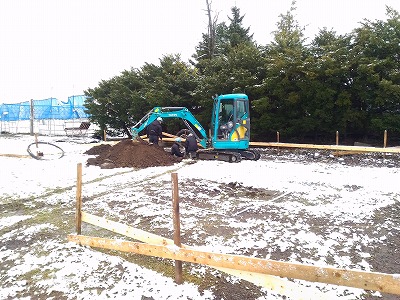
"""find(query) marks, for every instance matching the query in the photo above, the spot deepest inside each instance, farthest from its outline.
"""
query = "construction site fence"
(46, 109)
(46, 117)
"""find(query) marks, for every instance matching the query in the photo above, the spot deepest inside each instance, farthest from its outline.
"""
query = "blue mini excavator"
(229, 133)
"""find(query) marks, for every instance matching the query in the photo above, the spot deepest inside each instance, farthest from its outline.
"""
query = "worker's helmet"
(178, 140)
(159, 119)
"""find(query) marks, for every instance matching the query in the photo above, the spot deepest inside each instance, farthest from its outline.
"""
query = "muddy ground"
(238, 216)
(386, 259)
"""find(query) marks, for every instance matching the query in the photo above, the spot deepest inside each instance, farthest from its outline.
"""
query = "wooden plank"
(15, 155)
(163, 133)
(341, 153)
(281, 286)
(327, 147)
(126, 230)
(78, 214)
(164, 139)
(385, 283)
(273, 283)
(169, 135)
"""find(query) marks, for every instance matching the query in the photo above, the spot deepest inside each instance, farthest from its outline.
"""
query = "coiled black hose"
(39, 155)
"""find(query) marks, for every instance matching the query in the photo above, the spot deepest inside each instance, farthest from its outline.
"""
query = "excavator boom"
(172, 113)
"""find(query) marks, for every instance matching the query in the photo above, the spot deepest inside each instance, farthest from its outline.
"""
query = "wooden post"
(79, 199)
(37, 145)
(177, 227)
(384, 142)
(32, 117)
(385, 139)
(277, 136)
(337, 138)
(38, 153)
(104, 135)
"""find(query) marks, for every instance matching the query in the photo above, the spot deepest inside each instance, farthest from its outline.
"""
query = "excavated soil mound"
(97, 150)
(130, 154)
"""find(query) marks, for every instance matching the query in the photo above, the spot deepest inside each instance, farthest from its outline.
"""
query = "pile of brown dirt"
(130, 154)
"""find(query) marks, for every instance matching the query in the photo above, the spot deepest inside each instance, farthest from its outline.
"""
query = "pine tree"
(282, 107)
(236, 32)
(220, 38)
(375, 74)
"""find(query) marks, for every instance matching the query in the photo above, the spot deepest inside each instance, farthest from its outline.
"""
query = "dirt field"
(128, 154)
(301, 206)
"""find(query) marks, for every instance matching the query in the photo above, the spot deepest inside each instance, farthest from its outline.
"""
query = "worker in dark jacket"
(154, 131)
(191, 145)
(175, 149)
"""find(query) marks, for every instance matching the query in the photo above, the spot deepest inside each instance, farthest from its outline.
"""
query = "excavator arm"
(172, 113)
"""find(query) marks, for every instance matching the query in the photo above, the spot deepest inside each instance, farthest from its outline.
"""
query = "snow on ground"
(316, 213)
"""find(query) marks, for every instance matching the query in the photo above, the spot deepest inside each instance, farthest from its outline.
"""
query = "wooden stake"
(32, 117)
(104, 135)
(277, 136)
(385, 139)
(337, 138)
(79, 199)
(37, 145)
(177, 226)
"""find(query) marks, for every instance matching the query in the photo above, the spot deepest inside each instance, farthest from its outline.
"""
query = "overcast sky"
(60, 48)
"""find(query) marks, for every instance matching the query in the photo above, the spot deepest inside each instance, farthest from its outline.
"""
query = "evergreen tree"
(327, 90)
(375, 74)
(281, 106)
(171, 83)
(123, 100)
(349, 83)
(236, 32)
(116, 104)
(220, 38)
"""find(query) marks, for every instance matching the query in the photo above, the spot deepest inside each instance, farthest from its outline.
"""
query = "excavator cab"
(230, 124)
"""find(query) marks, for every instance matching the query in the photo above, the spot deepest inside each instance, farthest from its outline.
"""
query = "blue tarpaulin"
(45, 109)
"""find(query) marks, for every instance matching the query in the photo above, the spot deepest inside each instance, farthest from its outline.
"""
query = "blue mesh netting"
(45, 109)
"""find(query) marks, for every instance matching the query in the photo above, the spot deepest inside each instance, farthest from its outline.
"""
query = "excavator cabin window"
(241, 110)
(226, 116)
(226, 112)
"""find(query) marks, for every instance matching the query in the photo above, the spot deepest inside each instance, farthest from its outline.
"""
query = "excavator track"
(250, 154)
(228, 156)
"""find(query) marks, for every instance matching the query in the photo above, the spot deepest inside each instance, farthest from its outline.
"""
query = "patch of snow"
(10, 221)
(339, 193)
